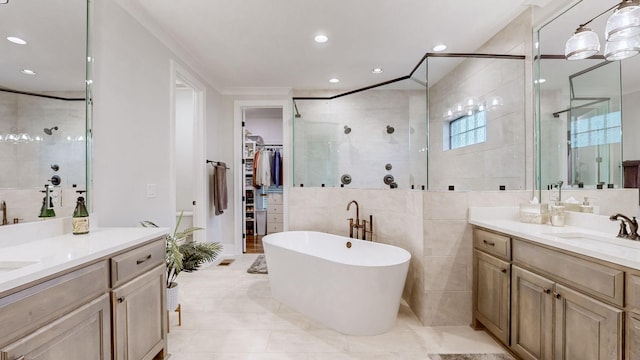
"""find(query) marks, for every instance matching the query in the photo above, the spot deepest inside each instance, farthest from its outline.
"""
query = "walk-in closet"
(263, 178)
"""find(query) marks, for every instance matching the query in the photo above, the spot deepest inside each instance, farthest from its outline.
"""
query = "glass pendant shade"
(623, 49)
(624, 23)
(583, 44)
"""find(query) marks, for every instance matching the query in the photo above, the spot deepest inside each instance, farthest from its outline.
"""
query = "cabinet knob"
(120, 299)
(546, 291)
(557, 296)
(504, 271)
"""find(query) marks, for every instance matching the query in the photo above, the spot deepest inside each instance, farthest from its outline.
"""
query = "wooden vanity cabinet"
(138, 303)
(112, 308)
(492, 283)
(563, 306)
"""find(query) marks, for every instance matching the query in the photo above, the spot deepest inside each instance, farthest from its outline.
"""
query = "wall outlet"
(152, 190)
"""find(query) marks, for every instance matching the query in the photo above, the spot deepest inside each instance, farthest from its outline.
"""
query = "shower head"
(49, 131)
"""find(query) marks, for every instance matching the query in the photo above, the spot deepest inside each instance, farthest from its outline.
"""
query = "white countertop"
(50, 255)
(585, 234)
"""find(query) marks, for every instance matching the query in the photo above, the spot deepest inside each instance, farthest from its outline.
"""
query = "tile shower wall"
(324, 152)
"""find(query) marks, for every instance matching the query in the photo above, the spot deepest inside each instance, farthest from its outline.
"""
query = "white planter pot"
(172, 296)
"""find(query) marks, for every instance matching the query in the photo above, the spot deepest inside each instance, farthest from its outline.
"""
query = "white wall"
(131, 128)
(631, 126)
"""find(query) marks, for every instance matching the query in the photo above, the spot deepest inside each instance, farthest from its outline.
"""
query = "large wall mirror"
(586, 110)
(43, 111)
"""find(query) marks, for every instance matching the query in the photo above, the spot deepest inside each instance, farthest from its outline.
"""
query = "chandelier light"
(621, 34)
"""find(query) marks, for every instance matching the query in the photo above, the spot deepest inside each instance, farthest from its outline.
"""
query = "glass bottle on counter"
(80, 220)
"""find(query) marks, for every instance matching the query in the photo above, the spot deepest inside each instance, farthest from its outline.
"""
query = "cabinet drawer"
(274, 228)
(275, 199)
(274, 209)
(491, 243)
(598, 280)
(125, 267)
(633, 293)
(33, 307)
(274, 218)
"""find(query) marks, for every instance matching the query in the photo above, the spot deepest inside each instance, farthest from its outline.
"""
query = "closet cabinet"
(274, 213)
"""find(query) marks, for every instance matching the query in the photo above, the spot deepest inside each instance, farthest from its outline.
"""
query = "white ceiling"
(259, 43)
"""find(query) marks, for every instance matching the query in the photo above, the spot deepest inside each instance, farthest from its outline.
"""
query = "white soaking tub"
(355, 290)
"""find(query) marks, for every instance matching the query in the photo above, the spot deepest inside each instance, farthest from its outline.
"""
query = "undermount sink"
(6, 266)
(595, 242)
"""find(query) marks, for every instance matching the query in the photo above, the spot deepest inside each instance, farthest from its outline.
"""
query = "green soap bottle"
(80, 220)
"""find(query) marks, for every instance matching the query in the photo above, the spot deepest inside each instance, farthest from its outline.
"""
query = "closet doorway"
(262, 185)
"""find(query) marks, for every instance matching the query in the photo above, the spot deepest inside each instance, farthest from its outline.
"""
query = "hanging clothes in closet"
(267, 168)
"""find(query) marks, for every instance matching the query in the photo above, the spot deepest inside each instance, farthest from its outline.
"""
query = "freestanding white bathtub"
(354, 290)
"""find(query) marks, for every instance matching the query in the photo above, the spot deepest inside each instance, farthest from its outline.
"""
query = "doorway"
(261, 128)
(189, 163)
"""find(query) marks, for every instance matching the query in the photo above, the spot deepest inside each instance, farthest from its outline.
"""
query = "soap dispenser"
(80, 220)
(46, 210)
(585, 207)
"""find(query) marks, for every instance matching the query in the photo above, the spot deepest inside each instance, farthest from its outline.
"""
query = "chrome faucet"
(633, 226)
(4, 213)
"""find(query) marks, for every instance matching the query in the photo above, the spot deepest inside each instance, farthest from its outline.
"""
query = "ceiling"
(258, 43)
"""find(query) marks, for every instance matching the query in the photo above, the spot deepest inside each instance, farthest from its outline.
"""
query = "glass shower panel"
(370, 139)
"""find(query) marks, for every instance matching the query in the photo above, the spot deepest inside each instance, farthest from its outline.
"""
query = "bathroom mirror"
(585, 109)
(43, 112)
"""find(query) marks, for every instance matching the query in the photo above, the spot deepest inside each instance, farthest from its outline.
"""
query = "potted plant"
(183, 256)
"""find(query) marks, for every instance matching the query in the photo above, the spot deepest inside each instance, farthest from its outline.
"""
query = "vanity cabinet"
(560, 305)
(492, 282)
(584, 328)
(112, 307)
(138, 303)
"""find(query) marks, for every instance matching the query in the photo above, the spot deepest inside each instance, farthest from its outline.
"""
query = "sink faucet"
(4, 213)
(633, 226)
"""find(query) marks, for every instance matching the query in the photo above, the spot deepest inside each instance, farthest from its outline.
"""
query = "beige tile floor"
(230, 314)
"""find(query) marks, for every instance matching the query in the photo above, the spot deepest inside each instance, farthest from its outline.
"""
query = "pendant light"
(624, 22)
(622, 49)
(583, 44)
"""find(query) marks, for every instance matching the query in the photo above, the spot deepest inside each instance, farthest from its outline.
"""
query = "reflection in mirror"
(584, 109)
(42, 111)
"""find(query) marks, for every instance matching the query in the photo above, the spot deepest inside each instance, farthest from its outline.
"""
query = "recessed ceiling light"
(321, 38)
(16, 40)
(440, 47)
(377, 71)
(28, 72)
(334, 80)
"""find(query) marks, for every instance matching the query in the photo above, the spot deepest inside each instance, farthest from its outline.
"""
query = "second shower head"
(49, 131)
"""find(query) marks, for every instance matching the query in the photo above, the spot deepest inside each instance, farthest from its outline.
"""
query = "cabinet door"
(83, 334)
(633, 336)
(492, 283)
(531, 315)
(138, 317)
(586, 329)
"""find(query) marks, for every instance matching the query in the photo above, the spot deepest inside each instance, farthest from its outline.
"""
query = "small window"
(468, 130)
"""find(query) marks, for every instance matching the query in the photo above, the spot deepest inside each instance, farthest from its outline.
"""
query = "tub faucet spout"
(353, 225)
